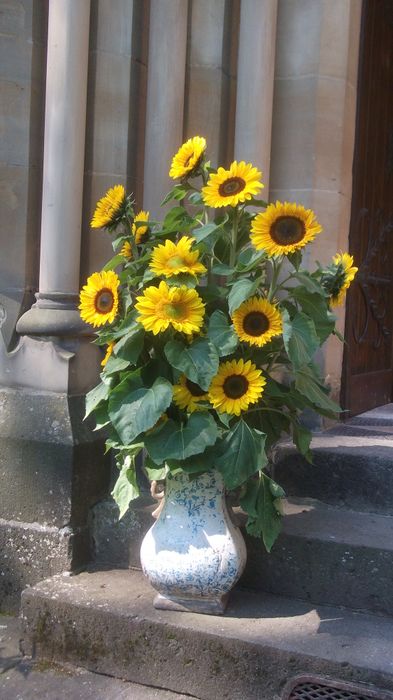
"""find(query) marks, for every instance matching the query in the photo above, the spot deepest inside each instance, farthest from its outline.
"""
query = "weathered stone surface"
(23, 678)
(29, 552)
(327, 555)
(106, 622)
(115, 541)
(353, 471)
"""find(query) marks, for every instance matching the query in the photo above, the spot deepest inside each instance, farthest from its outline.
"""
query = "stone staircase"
(314, 619)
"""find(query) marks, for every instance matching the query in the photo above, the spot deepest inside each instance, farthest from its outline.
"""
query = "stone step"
(352, 468)
(327, 555)
(105, 622)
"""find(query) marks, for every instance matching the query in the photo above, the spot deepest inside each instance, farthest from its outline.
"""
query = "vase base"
(205, 606)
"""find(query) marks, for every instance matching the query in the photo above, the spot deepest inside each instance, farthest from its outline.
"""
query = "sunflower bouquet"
(210, 325)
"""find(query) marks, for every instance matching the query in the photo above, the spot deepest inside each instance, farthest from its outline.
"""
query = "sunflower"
(188, 157)
(284, 228)
(173, 258)
(109, 208)
(108, 353)
(99, 299)
(235, 386)
(256, 321)
(140, 232)
(187, 394)
(344, 276)
(163, 306)
(126, 250)
(230, 187)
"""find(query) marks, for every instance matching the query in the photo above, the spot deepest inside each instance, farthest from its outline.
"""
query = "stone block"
(298, 38)
(105, 621)
(117, 542)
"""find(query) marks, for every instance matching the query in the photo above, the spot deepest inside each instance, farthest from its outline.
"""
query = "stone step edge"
(105, 621)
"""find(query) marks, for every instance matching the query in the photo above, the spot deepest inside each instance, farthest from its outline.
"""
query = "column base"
(54, 314)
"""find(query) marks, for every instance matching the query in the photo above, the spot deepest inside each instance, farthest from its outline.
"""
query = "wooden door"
(368, 355)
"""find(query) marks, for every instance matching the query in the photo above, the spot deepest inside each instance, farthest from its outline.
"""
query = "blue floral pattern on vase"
(194, 550)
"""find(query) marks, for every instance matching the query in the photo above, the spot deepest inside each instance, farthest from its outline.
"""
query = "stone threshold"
(104, 621)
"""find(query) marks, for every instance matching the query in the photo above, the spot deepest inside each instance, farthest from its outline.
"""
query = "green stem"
(235, 227)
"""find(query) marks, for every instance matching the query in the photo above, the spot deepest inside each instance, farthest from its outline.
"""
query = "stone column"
(255, 81)
(165, 96)
(55, 312)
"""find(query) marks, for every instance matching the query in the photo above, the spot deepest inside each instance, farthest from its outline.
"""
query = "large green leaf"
(300, 339)
(315, 306)
(308, 283)
(126, 487)
(130, 346)
(307, 384)
(132, 413)
(115, 364)
(221, 333)
(181, 440)
(261, 504)
(199, 361)
(302, 439)
(241, 454)
(96, 395)
(241, 290)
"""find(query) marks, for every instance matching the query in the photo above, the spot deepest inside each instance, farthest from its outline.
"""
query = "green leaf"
(260, 503)
(223, 270)
(300, 339)
(126, 487)
(203, 232)
(315, 306)
(199, 361)
(295, 258)
(241, 454)
(310, 283)
(302, 439)
(241, 290)
(96, 395)
(222, 334)
(115, 364)
(249, 258)
(306, 384)
(179, 441)
(130, 346)
(114, 262)
(132, 413)
(177, 192)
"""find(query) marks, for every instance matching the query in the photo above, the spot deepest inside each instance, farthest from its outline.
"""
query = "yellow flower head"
(109, 208)
(163, 306)
(235, 386)
(256, 321)
(140, 232)
(233, 186)
(99, 299)
(174, 258)
(108, 353)
(188, 157)
(345, 275)
(187, 394)
(126, 250)
(283, 228)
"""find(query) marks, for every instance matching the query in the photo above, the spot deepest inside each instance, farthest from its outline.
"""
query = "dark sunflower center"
(235, 386)
(194, 389)
(233, 185)
(287, 230)
(104, 301)
(188, 160)
(255, 323)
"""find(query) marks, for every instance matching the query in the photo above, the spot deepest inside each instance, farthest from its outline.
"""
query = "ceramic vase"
(193, 554)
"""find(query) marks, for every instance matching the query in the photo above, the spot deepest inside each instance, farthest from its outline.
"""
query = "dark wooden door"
(368, 355)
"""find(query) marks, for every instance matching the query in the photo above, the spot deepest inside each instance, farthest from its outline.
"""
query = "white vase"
(194, 554)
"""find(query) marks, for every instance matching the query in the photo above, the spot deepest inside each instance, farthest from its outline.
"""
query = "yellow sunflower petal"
(99, 299)
(257, 321)
(140, 232)
(187, 394)
(236, 385)
(109, 207)
(231, 187)
(163, 306)
(172, 259)
(126, 250)
(345, 265)
(188, 157)
(284, 228)
(108, 353)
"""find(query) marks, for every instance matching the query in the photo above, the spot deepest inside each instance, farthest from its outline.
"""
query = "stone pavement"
(23, 679)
